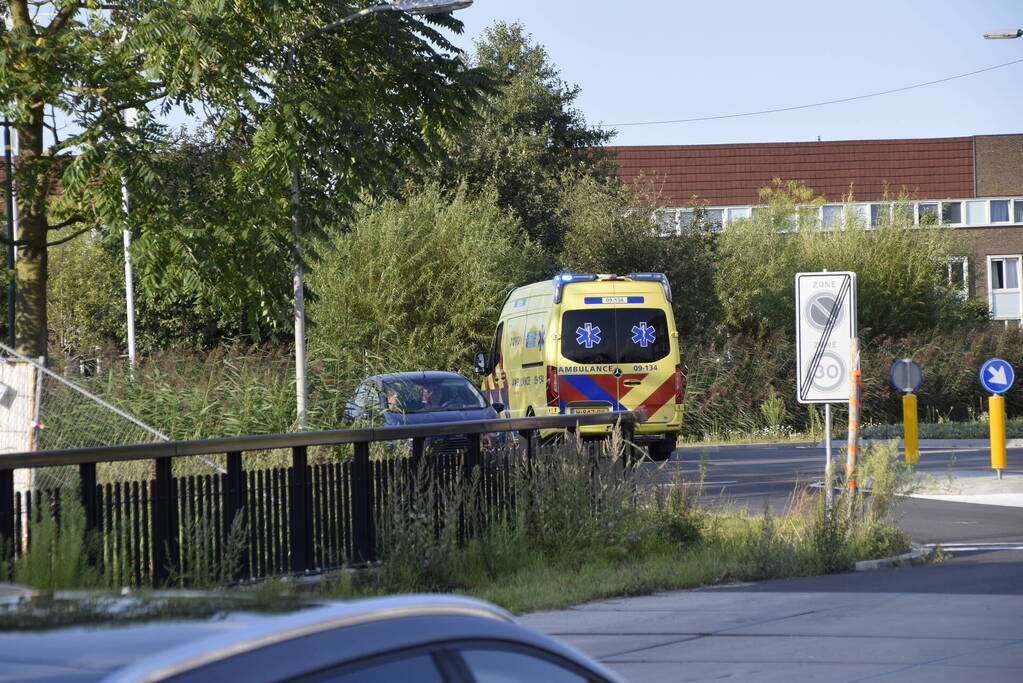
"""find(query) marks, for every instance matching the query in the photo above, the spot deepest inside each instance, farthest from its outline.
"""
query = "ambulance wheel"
(662, 450)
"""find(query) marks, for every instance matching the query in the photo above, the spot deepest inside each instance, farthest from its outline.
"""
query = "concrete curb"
(918, 555)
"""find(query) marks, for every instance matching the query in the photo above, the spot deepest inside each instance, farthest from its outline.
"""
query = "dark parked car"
(422, 398)
(161, 637)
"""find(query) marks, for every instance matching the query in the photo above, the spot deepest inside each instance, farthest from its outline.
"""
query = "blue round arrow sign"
(996, 375)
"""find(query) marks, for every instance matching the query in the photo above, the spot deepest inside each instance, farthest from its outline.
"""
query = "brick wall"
(989, 242)
(999, 164)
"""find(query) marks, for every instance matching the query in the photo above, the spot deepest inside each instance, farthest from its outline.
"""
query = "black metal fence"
(258, 522)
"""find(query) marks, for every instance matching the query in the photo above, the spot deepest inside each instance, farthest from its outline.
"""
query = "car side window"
(365, 398)
(419, 667)
(515, 666)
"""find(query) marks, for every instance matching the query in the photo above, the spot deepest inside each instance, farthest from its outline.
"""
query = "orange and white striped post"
(855, 392)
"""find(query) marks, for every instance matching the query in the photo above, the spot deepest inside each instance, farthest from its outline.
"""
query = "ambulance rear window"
(614, 335)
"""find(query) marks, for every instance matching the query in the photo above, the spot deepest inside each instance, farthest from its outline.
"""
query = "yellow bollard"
(909, 429)
(996, 413)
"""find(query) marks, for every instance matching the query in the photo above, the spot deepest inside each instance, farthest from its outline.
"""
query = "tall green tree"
(613, 229)
(532, 142)
(418, 282)
(211, 260)
(348, 109)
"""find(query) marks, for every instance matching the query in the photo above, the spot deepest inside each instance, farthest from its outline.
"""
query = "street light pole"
(298, 277)
(1004, 35)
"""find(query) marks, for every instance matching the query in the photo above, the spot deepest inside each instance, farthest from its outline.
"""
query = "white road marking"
(976, 547)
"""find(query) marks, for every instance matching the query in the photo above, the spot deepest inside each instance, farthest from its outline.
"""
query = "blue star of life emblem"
(588, 335)
(643, 335)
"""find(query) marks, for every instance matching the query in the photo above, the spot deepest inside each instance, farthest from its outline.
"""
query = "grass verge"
(587, 523)
(623, 539)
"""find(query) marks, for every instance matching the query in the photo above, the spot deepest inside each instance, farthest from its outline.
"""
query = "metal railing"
(159, 503)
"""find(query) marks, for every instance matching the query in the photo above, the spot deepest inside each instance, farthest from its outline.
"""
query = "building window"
(951, 212)
(1017, 211)
(999, 210)
(685, 219)
(928, 213)
(957, 270)
(832, 216)
(878, 212)
(1003, 286)
(712, 219)
(902, 214)
(976, 212)
(667, 221)
(737, 213)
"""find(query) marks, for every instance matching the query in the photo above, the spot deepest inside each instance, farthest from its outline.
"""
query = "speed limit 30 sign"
(825, 324)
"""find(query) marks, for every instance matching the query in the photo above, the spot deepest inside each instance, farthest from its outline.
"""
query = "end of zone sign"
(825, 323)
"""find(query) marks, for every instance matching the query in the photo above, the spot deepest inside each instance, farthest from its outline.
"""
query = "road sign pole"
(996, 418)
(855, 390)
(909, 429)
(828, 492)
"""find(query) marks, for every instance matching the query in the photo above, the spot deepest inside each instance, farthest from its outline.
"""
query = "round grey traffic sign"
(830, 372)
(906, 375)
(821, 308)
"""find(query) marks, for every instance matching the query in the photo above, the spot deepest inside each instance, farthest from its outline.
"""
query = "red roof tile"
(734, 173)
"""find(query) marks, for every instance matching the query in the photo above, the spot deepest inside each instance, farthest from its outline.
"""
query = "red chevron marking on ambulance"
(661, 395)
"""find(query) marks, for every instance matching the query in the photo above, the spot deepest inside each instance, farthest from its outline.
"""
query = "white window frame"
(1008, 290)
(941, 211)
(959, 263)
(990, 213)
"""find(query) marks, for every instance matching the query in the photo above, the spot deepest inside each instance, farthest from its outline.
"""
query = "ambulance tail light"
(680, 384)
(552, 385)
(656, 277)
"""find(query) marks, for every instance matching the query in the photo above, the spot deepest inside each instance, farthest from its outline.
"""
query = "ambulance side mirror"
(479, 364)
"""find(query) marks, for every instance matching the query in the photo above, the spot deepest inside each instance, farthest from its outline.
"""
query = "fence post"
(234, 503)
(90, 503)
(165, 529)
(300, 506)
(7, 540)
(469, 506)
(362, 505)
(90, 506)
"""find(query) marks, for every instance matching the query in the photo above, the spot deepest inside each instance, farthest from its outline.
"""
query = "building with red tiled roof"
(972, 183)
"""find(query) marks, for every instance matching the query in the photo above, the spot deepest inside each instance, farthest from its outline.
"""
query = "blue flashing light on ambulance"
(582, 343)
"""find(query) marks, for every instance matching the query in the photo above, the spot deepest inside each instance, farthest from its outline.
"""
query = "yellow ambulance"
(582, 343)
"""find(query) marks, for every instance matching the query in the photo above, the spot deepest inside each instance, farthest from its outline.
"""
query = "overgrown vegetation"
(586, 523)
(594, 530)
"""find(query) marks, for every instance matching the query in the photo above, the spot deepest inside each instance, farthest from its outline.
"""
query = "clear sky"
(655, 60)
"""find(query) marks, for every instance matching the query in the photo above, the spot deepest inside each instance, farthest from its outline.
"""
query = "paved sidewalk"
(898, 625)
(972, 486)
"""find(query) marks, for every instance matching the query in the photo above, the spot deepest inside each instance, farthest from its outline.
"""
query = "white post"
(130, 117)
(299, 286)
(828, 492)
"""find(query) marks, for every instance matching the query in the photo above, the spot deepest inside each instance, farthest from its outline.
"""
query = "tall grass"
(589, 524)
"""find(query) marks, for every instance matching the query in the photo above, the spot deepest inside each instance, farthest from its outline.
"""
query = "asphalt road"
(958, 620)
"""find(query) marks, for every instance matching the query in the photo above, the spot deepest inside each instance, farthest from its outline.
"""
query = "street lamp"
(1004, 35)
(411, 7)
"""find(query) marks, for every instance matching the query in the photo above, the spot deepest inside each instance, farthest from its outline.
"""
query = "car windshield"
(432, 394)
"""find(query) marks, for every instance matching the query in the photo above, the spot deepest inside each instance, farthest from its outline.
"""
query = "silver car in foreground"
(207, 637)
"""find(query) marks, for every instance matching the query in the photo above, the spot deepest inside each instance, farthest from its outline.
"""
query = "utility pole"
(9, 181)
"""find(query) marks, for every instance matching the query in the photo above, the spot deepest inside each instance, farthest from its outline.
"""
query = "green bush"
(902, 279)
(417, 284)
(746, 385)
